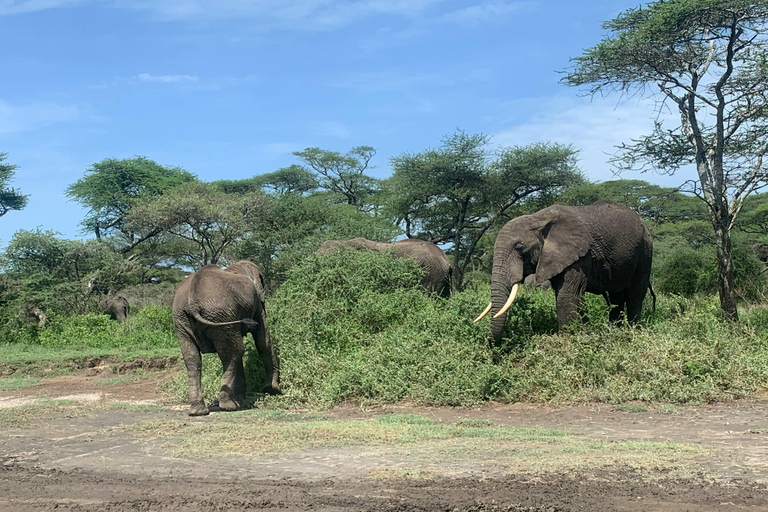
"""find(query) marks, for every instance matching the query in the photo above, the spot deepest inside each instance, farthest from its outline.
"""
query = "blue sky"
(230, 88)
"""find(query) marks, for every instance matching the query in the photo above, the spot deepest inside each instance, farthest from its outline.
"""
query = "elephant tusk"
(510, 300)
(490, 305)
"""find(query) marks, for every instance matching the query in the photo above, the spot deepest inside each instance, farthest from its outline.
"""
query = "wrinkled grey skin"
(212, 310)
(603, 248)
(116, 306)
(438, 270)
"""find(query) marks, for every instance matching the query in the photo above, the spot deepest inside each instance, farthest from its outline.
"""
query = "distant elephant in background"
(116, 306)
(438, 270)
(603, 248)
(213, 309)
(110, 303)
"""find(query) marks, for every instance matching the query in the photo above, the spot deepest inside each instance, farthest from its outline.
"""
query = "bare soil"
(83, 460)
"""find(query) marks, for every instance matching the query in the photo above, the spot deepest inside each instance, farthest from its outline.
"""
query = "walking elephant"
(603, 248)
(213, 309)
(438, 270)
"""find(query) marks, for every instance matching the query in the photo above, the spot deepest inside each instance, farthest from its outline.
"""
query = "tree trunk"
(726, 287)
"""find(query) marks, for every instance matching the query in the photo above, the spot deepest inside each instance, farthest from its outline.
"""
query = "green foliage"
(652, 202)
(199, 223)
(10, 198)
(457, 192)
(704, 57)
(149, 328)
(45, 271)
(112, 187)
(297, 225)
(341, 175)
(293, 179)
(350, 326)
(686, 264)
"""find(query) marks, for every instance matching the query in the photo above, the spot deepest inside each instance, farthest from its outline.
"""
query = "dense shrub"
(150, 327)
(351, 327)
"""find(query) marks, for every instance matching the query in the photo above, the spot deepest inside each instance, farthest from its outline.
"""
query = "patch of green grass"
(31, 415)
(419, 442)
(125, 379)
(633, 408)
(250, 435)
(40, 361)
(17, 382)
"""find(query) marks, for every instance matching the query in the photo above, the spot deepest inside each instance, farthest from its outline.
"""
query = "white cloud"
(595, 128)
(15, 119)
(400, 81)
(21, 6)
(483, 13)
(296, 14)
(167, 79)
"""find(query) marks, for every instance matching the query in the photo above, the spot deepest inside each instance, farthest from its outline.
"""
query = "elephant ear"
(566, 239)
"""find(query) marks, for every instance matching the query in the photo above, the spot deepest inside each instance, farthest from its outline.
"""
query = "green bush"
(150, 327)
(354, 327)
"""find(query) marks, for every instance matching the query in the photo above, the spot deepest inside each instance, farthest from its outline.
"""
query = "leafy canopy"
(112, 187)
(709, 61)
(10, 198)
(455, 193)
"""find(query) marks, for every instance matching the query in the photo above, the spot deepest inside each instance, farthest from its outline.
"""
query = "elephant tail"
(249, 323)
(653, 294)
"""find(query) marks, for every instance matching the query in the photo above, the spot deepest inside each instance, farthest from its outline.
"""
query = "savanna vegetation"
(354, 326)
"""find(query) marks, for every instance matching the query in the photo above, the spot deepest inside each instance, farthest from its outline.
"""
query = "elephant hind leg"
(229, 347)
(267, 354)
(635, 298)
(193, 361)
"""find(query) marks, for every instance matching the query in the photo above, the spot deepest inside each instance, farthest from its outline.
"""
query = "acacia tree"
(112, 187)
(198, 223)
(707, 60)
(343, 175)
(456, 193)
(10, 198)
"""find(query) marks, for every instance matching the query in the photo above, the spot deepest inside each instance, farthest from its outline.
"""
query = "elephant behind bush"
(438, 271)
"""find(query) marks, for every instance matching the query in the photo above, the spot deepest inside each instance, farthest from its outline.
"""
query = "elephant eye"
(519, 247)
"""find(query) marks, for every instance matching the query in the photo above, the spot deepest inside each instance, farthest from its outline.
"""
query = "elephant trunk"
(507, 274)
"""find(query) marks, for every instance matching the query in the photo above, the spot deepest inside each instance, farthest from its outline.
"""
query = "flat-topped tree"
(707, 61)
(10, 198)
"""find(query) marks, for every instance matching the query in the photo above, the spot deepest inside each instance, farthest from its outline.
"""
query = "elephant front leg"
(194, 364)
(617, 302)
(569, 292)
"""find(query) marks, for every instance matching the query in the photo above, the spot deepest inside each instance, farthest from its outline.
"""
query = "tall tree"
(454, 194)
(343, 175)
(198, 222)
(293, 179)
(112, 187)
(10, 198)
(706, 59)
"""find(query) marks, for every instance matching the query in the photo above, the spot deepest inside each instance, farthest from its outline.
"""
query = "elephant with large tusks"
(213, 309)
(603, 248)
(438, 271)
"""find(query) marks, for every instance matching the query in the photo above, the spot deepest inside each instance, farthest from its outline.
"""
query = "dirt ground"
(87, 461)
